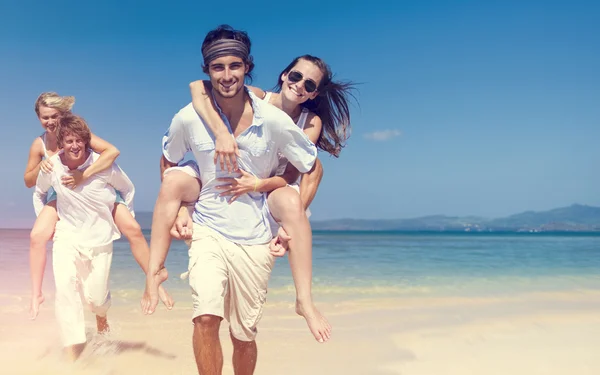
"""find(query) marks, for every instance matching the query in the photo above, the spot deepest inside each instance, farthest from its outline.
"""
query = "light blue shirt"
(246, 220)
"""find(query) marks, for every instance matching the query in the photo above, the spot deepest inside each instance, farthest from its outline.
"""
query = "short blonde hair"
(63, 104)
(71, 124)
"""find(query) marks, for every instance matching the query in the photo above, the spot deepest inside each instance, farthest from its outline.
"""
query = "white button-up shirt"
(85, 213)
(246, 220)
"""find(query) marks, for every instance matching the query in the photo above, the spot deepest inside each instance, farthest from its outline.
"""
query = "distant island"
(574, 218)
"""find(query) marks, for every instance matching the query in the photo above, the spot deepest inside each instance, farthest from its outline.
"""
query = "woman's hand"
(226, 151)
(73, 179)
(238, 186)
(46, 166)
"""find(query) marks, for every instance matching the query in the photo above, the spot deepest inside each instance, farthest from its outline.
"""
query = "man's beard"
(229, 94)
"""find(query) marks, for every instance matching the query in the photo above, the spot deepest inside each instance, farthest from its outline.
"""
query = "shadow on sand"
(116, 347)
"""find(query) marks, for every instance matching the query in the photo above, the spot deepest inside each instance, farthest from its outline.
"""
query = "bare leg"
(176, 187)
(286, 207)
(73, 352)
(139, 247)
(40, 234)
(207, 346)
(244, 356)
(102, 324)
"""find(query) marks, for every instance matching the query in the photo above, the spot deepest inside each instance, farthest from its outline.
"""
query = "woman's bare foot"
(151, 294)
(102, 324)
(165, 297)
(318, 325)
(34, 308)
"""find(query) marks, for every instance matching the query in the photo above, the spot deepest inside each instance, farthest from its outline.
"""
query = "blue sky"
(466, 107)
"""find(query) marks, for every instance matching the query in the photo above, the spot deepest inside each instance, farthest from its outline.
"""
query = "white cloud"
(383, 135)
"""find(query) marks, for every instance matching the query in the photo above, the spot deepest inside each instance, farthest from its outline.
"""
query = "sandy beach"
(529, 334)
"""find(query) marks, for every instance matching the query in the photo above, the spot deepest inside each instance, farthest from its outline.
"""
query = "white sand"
(551, 333)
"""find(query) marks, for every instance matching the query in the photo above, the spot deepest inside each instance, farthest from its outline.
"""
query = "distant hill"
(575, 218)
(568, 217)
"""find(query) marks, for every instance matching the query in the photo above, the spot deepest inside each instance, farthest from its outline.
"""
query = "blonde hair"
(63, 104)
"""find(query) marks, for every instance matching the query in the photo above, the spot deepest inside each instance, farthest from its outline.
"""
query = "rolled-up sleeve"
(121, 182)
(175, 142)
(296, 146)
(42, 185)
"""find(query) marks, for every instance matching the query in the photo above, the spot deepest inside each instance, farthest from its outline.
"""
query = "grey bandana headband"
(225, 47)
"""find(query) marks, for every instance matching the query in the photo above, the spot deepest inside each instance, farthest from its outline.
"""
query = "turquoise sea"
(376, 264)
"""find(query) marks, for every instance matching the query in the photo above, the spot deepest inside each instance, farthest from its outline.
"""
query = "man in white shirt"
(84, 235)
(230, 262)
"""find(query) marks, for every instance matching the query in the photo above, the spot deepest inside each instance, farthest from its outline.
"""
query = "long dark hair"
(331, 105)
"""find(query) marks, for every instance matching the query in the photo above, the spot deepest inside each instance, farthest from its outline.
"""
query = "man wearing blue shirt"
(230, 262)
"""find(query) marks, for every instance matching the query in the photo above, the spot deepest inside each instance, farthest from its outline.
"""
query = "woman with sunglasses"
(317, 104)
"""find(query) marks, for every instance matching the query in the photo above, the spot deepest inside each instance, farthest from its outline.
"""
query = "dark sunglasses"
(309, 85)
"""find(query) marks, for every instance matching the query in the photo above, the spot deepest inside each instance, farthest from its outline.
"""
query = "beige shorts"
(229, 280)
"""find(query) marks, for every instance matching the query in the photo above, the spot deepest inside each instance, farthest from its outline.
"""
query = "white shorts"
(229, 280)
(190, 167)
(80, 277)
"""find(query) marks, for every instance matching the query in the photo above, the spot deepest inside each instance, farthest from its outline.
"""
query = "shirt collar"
(257, 118)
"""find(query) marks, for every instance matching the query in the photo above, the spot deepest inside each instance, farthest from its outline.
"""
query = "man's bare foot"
(74, 351)
(150, 298)
(165, 297)
(34, 307)
(318, 325)
(102, 325)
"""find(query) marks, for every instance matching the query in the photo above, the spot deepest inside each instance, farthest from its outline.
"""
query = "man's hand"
(183, 227)
(280, 243)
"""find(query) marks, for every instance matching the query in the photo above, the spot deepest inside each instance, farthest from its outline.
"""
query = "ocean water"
(374, 264)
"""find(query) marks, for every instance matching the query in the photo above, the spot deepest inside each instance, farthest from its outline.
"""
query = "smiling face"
(73, 137)
(227, 75)
(49, 118)
(74, 148)
(296, 92)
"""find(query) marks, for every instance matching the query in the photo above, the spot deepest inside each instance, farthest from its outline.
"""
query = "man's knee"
(242, 344)
(207, 323)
